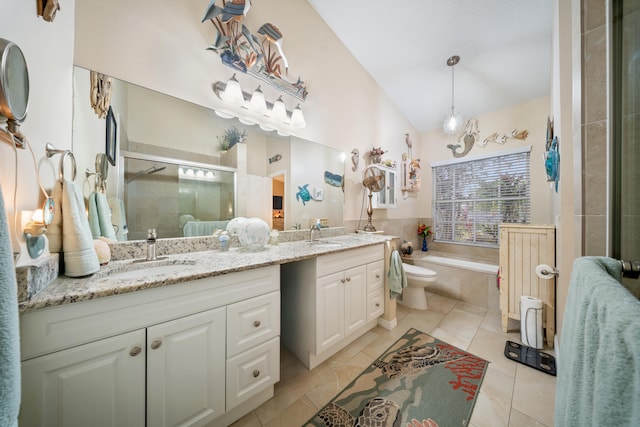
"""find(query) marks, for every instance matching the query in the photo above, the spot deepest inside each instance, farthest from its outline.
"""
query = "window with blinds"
(472, 197)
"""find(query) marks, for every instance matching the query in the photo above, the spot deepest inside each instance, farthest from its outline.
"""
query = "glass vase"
(424, 244)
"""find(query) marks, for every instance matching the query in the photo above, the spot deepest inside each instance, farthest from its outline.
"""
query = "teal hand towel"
(598, 380)
(9, 331)
(94, 220)
(396, 277)
(104, 217)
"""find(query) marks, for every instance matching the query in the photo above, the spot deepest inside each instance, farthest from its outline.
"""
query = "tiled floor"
(511, 394)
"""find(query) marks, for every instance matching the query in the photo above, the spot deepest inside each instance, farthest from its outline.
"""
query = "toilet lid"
(418, 271)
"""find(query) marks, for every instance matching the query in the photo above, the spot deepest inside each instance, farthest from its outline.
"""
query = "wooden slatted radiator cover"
(522, 248)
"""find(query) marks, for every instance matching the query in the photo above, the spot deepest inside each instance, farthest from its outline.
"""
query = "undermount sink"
(324, 244)
(139, 270)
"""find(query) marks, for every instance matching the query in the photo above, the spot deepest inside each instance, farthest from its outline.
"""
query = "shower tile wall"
(595, 126)
(631, 132)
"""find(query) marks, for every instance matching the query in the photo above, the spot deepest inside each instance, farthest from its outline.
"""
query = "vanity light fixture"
(269, 116)
(297, 118)
(453, 122)
(233, 92)
(258, 104)
(279, 111)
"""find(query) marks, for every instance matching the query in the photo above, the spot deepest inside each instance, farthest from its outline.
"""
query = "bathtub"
(469, 281)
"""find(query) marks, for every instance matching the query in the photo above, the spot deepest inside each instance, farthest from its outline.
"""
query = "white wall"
(532, 116)
(161, 45)
(48, 49)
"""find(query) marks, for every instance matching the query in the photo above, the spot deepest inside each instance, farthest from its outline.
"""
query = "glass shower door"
(626, 129)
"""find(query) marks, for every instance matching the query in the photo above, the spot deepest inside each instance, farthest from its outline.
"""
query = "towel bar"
(630, 269)
(52, 151)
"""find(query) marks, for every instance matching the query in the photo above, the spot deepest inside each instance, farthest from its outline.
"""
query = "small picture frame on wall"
(111, 137)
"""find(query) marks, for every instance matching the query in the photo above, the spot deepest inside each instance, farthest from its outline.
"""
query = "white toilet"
(418, 278)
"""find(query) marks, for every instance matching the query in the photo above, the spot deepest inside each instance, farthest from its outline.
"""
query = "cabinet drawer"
(252, 371)
(375, 304)
(332, 263)
(375, 275)
(252, 322)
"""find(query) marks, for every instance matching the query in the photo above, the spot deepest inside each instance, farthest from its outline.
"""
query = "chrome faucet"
(313, 228)
(151, 244)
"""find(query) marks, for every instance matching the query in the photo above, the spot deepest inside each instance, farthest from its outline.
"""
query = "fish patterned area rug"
(419, 381)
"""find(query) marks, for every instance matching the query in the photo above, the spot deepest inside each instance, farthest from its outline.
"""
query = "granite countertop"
(178, 268)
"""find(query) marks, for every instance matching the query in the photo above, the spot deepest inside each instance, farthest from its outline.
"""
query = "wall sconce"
(268, 115)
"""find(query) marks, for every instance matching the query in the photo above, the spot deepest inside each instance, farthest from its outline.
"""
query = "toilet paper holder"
(546, 272)
(550, 270)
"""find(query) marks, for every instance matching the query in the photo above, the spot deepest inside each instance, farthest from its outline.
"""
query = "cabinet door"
(330, 310)
(387, 197)
(185, 370)
(355, 299)
(96, 384)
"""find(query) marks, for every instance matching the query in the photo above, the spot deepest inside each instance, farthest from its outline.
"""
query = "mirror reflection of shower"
(152, 169)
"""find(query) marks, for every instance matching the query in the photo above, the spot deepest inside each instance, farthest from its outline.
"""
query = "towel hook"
(52, 151)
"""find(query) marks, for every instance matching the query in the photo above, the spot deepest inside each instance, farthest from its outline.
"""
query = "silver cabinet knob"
(256, 373)
(135, 351)
(156, 344)
(377, 304)
(341, 280)
(256, 323)
(377, 276)
(348, 279)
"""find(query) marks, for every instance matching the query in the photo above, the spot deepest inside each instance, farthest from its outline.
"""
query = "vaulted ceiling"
(504, 48)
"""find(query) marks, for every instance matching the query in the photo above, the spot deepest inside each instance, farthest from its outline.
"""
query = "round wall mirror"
(14, 82)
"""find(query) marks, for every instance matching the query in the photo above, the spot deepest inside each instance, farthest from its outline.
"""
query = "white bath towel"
(9, 330)
(118, 218)
(54, 230)
(80, 258)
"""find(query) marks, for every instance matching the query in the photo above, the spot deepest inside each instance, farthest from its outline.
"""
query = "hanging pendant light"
(453, 122)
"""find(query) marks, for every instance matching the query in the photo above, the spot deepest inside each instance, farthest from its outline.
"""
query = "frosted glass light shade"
(453, 123)
(258, 104)
(233, 92)
(279, 112)
(297, 118)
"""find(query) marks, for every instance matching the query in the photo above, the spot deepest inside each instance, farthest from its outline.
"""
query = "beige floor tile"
(490, 346)
(295, 415)
(518, 419)
(422, 320)
(439, 303)
(249, 420)
(470, 308)
(511, 394)
(534, 394)
(455, 340)
(494, 401)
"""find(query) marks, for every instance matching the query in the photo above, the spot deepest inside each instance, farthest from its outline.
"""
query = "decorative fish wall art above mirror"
(162, 140)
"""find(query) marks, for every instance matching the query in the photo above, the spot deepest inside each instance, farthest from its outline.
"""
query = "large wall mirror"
(171, 174)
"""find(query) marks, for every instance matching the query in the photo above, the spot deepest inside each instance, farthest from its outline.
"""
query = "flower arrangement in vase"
(376, 154)
(424, 231)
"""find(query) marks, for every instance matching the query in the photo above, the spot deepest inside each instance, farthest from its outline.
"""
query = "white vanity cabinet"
(162, 352)
(330, 301)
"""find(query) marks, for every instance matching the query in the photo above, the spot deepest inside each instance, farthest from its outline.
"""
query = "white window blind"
(471, 198)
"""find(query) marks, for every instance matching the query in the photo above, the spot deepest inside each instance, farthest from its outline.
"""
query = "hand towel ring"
(73, 166)
(51, 151)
